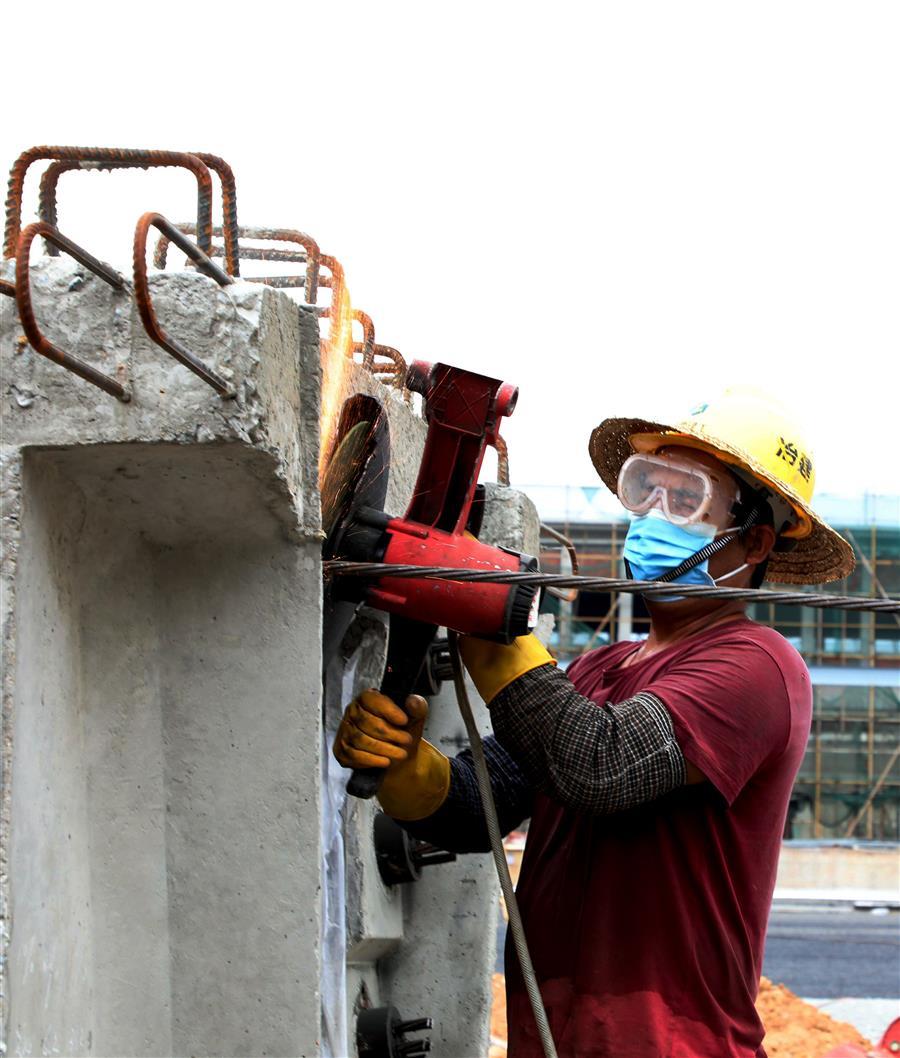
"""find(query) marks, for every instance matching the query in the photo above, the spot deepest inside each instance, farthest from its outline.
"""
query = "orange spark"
(337, 357)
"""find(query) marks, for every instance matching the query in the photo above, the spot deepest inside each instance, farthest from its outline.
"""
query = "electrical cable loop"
(651, 588)
(145, 304)
(22, 291)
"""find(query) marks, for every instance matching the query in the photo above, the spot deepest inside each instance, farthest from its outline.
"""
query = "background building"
(849, 783)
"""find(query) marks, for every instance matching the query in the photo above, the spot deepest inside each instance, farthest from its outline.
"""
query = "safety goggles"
(686, 492)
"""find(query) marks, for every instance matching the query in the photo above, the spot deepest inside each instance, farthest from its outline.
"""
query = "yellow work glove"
(376, 733)
(494, 666)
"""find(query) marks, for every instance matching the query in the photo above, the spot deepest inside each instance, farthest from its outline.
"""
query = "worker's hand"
(376, 733)
(494, 666)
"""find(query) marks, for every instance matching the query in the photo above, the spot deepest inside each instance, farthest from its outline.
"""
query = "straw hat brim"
(822, 556)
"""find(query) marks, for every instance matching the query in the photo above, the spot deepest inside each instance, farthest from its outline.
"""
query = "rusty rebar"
(266, 253)
(380, 368)
(396, 358)
(336, 283)
(279, 282)
(7, 288)
(145, 305)
(99, 158)
(38, 341)
(255, 253)
(48, 197)
(567, 595)
(228, 187)
(502, 460)
(368, 342)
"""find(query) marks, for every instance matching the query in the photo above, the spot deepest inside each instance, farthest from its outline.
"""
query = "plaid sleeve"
(600, 758)
(458, 825)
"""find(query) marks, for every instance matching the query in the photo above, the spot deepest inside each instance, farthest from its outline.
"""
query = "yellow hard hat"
(756, 435)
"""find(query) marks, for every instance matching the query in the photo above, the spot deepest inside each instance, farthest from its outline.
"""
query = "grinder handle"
(365, 782)
(408, 644)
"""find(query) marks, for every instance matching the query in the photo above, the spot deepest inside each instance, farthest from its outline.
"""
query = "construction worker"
(656, 774)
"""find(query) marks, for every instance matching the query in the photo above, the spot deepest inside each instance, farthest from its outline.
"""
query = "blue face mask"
(654, 545)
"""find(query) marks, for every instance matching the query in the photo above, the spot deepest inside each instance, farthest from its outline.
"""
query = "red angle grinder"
(440, 528)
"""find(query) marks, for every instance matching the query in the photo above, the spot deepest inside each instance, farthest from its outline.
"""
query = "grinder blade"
(341, 479)
(356, 475)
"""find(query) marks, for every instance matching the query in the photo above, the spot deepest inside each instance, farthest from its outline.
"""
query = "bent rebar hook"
(145, 304)
(38, 341)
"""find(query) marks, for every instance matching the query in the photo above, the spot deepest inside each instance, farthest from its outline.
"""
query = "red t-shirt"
(647, 927)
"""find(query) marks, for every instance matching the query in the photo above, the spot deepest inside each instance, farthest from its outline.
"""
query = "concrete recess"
(162, 697)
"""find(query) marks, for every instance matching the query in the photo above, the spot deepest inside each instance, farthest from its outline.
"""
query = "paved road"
(834, 952)
(826, 952)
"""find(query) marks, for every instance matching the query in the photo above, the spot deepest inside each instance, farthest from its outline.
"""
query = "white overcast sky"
(621, 207)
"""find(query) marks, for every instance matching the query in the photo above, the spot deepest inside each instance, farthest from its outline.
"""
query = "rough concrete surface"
(510, 520)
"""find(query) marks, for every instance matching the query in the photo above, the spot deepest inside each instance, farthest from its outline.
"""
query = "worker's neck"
(674, 621)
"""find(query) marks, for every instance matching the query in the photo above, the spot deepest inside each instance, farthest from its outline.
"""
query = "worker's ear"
(759, 541)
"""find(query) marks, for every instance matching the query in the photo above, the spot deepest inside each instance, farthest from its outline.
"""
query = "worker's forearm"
(600, 758)
(458, 825)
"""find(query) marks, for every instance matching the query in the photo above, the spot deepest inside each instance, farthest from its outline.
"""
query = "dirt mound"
(794, 1029)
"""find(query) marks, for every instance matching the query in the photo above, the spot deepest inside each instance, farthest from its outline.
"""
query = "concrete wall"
(161, 703)
(852, 867)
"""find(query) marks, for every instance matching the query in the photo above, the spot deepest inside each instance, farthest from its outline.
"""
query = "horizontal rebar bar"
(653, 589)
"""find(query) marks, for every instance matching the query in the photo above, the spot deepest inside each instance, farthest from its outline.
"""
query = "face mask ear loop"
(714, 546)
(733, 573)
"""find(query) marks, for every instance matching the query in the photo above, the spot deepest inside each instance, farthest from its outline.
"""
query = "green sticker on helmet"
(699, 410)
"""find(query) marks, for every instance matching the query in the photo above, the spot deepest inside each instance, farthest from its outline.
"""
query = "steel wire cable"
(651, 588)
(493, 827)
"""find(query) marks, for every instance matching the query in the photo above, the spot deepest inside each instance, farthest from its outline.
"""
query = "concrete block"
(161, 705)
(443, 969)
(511, 520)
